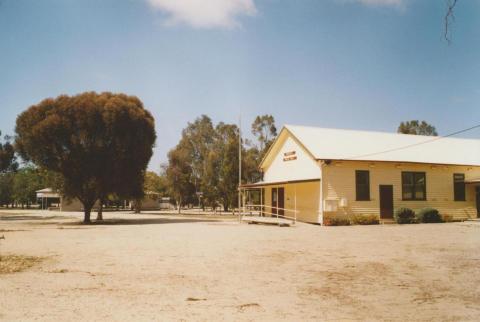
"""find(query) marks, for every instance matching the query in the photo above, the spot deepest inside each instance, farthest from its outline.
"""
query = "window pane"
(419, 194)
(362, 192)
(407, 185)
(407, 192)
(459, 186)
(413, 186)
(407, 178)
(420, 178)
(362, 177)
(419, 186)
(362, 184)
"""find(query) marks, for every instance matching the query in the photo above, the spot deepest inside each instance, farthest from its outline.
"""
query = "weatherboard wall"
(339, 182)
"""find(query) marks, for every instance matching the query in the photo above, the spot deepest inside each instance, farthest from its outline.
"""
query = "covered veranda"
(281, 201)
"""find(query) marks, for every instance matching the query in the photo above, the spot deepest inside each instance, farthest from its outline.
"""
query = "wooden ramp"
(268, 220)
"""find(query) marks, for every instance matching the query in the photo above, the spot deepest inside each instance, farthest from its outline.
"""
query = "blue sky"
(361, 64)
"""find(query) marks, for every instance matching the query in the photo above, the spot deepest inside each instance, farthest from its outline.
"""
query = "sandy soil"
(155, 267)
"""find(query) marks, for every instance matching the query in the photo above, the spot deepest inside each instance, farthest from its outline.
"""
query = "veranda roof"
(273, 183)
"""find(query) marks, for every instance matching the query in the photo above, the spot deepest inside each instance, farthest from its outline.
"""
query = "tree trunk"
(138, 206)
(87, 206)
(100, 211)
(86, 215)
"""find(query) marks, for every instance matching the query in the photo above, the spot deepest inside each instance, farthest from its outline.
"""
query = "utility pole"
(239, 166)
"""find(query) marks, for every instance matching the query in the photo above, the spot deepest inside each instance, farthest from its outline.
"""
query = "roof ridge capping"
(415, 136)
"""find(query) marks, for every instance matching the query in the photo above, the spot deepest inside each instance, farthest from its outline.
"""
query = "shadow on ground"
(4, 217)
(140, 221)
(65, 221)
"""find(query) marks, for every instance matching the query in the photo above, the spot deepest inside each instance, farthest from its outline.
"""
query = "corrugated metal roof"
(271, 183)
(338, 144)
(45, 190)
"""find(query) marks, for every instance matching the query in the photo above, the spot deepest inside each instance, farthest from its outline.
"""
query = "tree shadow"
(59, 220)
(139, 221)
(26, 217)
(186, 214)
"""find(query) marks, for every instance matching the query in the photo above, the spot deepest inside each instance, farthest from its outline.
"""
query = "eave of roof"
(273, 183)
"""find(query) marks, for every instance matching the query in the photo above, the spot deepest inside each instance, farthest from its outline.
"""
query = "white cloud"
(205, 13)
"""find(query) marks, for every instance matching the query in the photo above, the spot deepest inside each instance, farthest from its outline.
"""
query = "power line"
(415, 144)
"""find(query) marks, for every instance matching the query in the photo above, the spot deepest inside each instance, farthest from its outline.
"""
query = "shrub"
(369, 219)
(336, 221)
(404, 216)
(428, 215)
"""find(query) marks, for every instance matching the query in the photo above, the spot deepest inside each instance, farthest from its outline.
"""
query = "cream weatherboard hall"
(310, 172)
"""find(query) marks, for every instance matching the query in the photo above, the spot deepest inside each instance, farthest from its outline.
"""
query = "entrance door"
(278, 201)
(386, 201)
(274, 200)
(281, 201)
(477, 189)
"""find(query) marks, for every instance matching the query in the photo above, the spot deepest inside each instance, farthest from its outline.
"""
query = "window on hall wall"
(414, 186)
(459, 186)
(362, 184)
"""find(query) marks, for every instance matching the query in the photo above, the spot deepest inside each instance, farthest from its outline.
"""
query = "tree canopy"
(25, 184)
(6, 188)
(19, 187)
(155, 183)
(203, 168)
(99, 143)
(224, 164)
(179, 175)
(417, 128)
(7, 155)
(8, 166)
(263, 128)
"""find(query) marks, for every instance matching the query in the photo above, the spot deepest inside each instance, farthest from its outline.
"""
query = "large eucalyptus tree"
(99, 143)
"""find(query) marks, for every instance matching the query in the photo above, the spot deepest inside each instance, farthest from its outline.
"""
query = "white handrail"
(276, 214)
(265, 206)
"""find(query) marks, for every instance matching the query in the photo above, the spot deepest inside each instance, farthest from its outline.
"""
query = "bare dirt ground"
(172, 268)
